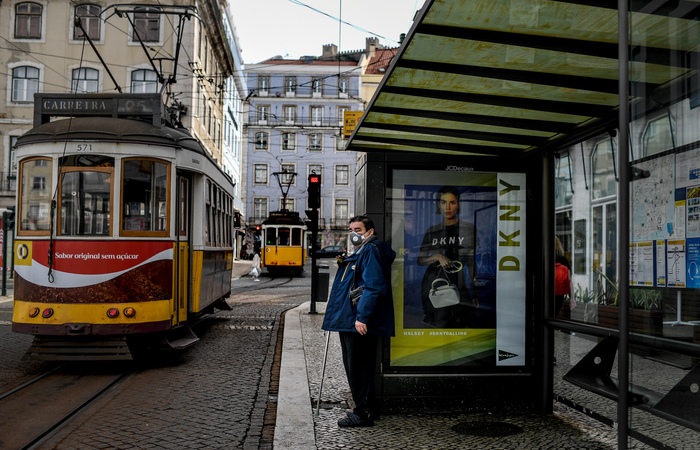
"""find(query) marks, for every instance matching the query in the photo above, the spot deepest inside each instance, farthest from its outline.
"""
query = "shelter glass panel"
(664, 207)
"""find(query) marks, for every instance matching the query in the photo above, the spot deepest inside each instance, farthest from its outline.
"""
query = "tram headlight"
(129, 312)
(48, 312)
(112, 313)
(34, 312)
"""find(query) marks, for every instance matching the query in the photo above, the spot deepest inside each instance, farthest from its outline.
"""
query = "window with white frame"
(316, 115)
(28, 17)
(290, 85)
(261, 140)
(341, 208)
(342, 173)
(259, 208)
(658, 136)
(290, 114)
(263, 112)
(315, 142)
(287, 178)
(144, 81)
(39, 183)
(343, 85)
(263, 84)
(317, 86)
(85, 81)
(288, 140)
(563, 194)
(260, 175)
(146, 24)
(603, 168)
(289, 205)
(25, 83)
(340, 142)
(341, 114)
(89, 16)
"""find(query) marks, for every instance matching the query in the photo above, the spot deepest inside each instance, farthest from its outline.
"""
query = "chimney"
(329, 51)
(371, 44)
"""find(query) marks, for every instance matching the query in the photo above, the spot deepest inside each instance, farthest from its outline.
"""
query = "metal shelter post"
(548, 261)
(623, 215)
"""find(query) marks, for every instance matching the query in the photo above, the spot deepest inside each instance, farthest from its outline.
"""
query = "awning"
(504, 77)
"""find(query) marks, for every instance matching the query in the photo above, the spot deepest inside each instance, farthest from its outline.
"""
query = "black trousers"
(359, 357)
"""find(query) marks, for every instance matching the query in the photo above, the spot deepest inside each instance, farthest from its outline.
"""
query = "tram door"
(183, 249)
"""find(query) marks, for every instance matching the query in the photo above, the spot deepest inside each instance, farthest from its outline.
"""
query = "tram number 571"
(83, 148)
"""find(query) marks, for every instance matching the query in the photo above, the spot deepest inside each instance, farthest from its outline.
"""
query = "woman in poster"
(447, 291)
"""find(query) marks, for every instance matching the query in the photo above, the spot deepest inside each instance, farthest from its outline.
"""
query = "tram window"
(85, 202)
(271, 236)
(207, 202)
(283, 236)
(296, 236)
(35, 196)
(145, 197)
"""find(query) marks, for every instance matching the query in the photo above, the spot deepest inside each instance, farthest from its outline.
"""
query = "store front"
(487, 96)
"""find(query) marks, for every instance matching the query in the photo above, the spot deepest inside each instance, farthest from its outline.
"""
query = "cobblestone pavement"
(218, 393)
(213, 395)
(565, 429)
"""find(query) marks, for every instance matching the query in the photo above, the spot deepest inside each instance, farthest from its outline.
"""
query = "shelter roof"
(501, 78)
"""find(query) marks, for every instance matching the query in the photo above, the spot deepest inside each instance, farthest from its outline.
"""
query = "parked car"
(332, 251)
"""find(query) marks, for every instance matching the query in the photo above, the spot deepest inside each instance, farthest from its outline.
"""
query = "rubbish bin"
(322, 285)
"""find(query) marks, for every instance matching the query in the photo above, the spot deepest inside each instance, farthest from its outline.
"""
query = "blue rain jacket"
(376, 306)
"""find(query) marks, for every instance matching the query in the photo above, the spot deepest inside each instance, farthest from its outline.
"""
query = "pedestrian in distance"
(255, 271)
(360, 308)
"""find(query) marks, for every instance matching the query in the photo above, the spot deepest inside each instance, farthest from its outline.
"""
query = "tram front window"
(144, 197)
(283, 236)
(271, 236)
(85, 202)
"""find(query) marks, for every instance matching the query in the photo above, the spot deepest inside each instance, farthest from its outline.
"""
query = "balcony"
(273, 121)
(339, 223)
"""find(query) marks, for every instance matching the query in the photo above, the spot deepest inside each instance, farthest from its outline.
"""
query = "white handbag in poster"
(443, 293)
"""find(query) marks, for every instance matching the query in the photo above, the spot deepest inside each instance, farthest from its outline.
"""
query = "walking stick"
(323, 371)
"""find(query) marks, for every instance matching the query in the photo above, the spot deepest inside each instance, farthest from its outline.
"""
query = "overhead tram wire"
(339, 20)
(61, 174)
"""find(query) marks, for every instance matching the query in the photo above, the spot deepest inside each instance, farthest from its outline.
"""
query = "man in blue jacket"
(361, 318)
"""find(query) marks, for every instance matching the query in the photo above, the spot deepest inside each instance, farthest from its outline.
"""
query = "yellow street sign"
(350, 121)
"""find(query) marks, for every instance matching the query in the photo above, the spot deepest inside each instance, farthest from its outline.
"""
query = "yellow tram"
(283, 243)
(124, 228)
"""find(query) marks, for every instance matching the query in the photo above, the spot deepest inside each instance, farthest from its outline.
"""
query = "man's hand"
(361, 327)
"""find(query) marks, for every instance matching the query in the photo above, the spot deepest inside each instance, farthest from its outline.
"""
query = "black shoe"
(353, 420)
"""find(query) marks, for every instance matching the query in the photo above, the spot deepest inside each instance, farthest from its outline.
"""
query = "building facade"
(294, 125)
(43, 55)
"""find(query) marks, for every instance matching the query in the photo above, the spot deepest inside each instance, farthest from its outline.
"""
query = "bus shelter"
(541, 118)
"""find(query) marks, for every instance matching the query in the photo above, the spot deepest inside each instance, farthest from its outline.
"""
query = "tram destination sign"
(105, 105)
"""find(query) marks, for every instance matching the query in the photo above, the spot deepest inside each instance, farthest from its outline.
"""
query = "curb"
(294, 428)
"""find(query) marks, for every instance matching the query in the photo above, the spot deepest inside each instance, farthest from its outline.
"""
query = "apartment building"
(132, 48)
(294, 126)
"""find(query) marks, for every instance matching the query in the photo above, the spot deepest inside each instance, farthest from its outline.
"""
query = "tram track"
(38, 408)
(265, 285)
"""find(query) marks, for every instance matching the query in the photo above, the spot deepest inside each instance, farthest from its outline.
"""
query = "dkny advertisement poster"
(453, 232)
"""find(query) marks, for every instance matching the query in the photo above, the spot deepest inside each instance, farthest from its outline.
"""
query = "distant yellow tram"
(283, 243)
